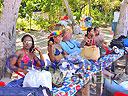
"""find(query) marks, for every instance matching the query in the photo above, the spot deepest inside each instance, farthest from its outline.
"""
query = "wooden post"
(69, 13)
(8, 31)
(126, 64)
(122, 25)
(68, 10)
(85, 91)
(89, 3)
(99, 80)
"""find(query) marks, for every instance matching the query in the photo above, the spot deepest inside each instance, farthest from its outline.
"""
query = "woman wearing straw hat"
(55, 51)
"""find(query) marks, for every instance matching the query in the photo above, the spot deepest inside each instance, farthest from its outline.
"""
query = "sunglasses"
(29, 42)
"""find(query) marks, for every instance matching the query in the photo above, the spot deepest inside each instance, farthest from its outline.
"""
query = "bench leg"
(99, 83)
(85, 91)
(126, 66)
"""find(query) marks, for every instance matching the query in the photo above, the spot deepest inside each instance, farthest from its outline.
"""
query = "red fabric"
(2, 84)
(64, 18)
(93, 42)
(19, 74)
(107, 50)
(120, 94)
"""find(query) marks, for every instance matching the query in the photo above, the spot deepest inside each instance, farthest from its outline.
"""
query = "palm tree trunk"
(122, 26)
(8, 31)
(89, 3)
(68, 11)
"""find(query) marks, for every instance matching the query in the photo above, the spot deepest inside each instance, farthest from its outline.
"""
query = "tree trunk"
(30, 23)
(89, 3)
(122, 26)
(8, 31)
(68, 10)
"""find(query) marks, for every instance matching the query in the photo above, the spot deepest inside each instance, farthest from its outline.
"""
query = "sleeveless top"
(26, 61)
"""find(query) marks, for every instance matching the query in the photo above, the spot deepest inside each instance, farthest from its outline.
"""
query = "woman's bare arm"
(13, 62)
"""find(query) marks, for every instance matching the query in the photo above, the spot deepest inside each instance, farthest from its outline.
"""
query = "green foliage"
(101, 11)
(1, 6)
(43, 23)
(77, 6)
(24, 24)
(51, 7)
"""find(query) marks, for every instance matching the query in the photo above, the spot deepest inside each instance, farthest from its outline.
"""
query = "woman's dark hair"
(27, 35)
(88, 30)
(95, 28)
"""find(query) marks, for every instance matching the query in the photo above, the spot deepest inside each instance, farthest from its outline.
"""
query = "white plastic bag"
(35, 78)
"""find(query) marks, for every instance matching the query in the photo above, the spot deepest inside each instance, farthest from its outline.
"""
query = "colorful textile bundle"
(55, 33)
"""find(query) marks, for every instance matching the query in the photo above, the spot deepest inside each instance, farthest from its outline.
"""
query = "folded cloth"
(124, 84)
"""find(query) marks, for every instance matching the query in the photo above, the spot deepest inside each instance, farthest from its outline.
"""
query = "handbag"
(90, 52)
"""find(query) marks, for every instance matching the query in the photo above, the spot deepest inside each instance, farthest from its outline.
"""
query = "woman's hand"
(38, 49)
(25, 72)
(50, 43)
(40, 53)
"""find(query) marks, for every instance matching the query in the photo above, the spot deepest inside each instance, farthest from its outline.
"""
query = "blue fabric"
(125, 41)
(8, 62)
(24, 91)
(22, 65)
(71, 46)
(58, 52)
(16, 83)
(113, 87)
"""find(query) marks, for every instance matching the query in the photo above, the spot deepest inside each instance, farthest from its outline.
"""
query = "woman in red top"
(25, 58)
(89, 38)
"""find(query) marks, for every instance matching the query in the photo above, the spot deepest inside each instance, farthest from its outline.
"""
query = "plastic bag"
(35, 78)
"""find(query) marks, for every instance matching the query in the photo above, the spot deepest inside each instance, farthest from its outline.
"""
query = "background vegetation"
(42, 14)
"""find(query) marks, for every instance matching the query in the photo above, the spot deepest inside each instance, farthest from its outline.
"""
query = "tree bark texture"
(89, 3)
(8, 31)
(68, 10)
(122, 26)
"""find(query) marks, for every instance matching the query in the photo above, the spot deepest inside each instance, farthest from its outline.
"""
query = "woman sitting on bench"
(25, 59)
(55, 51)
(68, 44)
